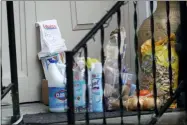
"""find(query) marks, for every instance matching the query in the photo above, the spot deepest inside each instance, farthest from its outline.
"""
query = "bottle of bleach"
(57, 90)
(97, 91)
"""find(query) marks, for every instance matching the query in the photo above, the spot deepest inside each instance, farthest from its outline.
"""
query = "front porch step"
(172, 118)
(112, 117)
(37, 113)
(48, 118)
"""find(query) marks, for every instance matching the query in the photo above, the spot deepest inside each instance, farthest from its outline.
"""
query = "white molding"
(74, 21)
(21, 40)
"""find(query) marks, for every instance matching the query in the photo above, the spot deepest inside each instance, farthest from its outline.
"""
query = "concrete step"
(37, 113)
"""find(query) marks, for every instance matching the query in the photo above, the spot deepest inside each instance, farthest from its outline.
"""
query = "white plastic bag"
(111, 49)
(50, 38)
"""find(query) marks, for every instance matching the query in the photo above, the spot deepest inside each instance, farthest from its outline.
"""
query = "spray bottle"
(97, 91)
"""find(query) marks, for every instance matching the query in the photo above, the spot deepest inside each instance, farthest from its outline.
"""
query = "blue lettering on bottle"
(57, 98)
(97, 93)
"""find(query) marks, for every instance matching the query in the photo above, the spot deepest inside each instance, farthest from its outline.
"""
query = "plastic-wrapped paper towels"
(50, 38)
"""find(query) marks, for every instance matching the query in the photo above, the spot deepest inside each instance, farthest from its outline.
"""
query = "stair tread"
(43, 118)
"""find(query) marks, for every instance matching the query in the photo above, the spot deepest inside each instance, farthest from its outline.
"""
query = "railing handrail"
(98, 25)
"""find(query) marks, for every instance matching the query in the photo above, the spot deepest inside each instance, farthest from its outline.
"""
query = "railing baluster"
(119, 62)
(70, 88)
(153, 58)
(13, 60)
(136, 61)
(103, 77)
(86, 80)
(169, 47)
(183, 53)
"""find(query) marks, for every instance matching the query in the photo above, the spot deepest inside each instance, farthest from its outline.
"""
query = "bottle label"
(96, 83)
(57, 97)
(79, 95)
(97, 93)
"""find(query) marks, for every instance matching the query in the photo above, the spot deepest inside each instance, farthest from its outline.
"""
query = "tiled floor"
(33, 108)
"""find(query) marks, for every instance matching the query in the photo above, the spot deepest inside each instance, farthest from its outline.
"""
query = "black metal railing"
(83, 44)
(116, 9)
(13, 86)
(183, 52)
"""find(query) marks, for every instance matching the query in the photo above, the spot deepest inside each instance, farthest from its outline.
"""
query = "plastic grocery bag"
(111, 50)
(162, 64)
(50, 38)
(111, 91)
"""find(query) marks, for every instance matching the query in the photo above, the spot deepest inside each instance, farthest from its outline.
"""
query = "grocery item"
(80, 83)
(90, 90)
(146, 103)
(97, 90)
(131, 103)
(111, 50)
(50, 38)
(56, 85)
(144, 92)
(149, 104)
(53, 62)
(111, 90)
(79, 86)
(111, 70)
(60, 63)
(162, 64)
(128, 80)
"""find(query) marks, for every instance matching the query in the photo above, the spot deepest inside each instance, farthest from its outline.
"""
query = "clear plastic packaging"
(111, 90)
(111, 72)
(79, 86)
(50, 38)
(80, 83)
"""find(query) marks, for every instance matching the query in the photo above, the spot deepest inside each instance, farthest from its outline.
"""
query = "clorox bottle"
(57, 90)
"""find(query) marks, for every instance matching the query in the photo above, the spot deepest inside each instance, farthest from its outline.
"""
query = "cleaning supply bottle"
(90, 89)
(79, 86)
(97, 91)
(56, 85)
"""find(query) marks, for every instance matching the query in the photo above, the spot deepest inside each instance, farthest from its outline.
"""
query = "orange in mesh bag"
(162, 67)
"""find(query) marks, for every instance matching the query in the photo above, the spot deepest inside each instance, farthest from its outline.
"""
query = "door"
(29, 69)
(75, 19)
